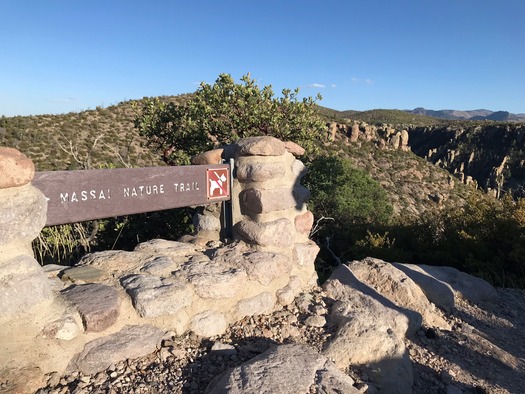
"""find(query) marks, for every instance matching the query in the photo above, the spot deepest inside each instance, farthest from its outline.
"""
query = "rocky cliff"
(486, 155)
(489, 155)
(414, 185)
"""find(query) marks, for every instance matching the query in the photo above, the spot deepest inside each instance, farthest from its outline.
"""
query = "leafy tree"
(346, 193)
(353, 202)
(166, 126)
(224, 112)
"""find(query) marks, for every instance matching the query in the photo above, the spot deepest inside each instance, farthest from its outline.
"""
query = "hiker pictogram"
(218, 185)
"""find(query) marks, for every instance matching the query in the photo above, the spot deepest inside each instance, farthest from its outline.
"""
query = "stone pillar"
(269, 209)
(354, 136)
(404, 141)
(268, 202)
(23, 284)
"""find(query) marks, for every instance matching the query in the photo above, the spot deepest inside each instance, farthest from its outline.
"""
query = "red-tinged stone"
(261, 146)
(304, 222)
(16, 169)
(97, 304)
(210, 157)
(293, 148)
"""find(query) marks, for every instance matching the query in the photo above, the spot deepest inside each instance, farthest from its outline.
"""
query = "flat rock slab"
(463, 285)
(164, 247)
(163, 265)
(129, 343)
(97, 304)
(293, 369)
(259, 171)
(261, 146)
(278, 233)
(211, 280)
(82, 274)
(265, 267)
(155, 296)
(114, 262)
(396, 286)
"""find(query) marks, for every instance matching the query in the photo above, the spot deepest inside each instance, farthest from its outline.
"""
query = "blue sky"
(59, 56)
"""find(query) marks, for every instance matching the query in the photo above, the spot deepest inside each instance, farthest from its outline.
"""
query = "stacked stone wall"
(68, 316)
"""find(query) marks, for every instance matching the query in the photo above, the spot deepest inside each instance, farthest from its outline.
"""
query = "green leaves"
(346, 193)
(221, 113)
(353, 200)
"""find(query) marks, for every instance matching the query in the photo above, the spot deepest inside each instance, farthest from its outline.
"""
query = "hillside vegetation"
(103, 137)
(65, 142)
(426, 223)
(379, 116)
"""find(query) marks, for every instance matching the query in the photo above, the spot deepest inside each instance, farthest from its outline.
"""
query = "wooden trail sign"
(75, 196)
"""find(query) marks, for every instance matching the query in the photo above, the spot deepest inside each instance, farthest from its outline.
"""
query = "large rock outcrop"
(370, 332)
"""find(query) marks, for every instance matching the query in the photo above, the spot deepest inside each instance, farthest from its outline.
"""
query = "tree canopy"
(221, 113)
(346, 193)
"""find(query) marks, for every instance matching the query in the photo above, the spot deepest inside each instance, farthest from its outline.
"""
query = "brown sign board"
(75, 196)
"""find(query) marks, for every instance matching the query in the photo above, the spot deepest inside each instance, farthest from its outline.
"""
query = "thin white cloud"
(333, 85)
(316, 85)
(369, 81)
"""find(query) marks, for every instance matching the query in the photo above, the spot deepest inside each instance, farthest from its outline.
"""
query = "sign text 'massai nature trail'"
(75, 196)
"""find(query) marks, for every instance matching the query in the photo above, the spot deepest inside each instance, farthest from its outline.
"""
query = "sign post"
(75, 196)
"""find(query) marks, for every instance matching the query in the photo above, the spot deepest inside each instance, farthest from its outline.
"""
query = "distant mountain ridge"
(477, 114)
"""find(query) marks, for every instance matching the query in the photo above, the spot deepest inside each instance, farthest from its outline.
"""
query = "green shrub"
(352, 200)
(345, 193)
(485, 237)
(221, 113)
